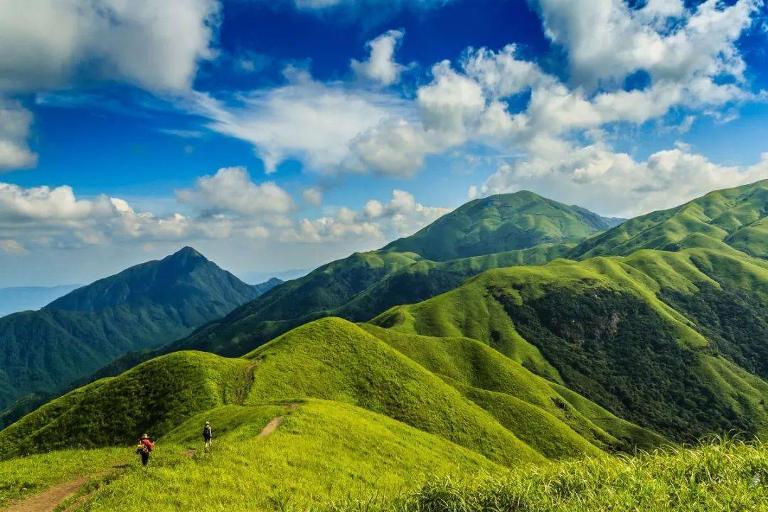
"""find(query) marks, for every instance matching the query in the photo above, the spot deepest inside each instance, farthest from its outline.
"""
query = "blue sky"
(280, 135)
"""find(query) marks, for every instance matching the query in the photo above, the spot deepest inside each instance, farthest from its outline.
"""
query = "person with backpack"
(207, 435)
(145, 448)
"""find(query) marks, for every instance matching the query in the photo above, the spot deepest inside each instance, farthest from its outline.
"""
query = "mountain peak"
(501, 223)
(165, 282)
(187, 253)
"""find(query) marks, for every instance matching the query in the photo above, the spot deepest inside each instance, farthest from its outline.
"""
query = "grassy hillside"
(355, 288)
(736, 216)
(143, 307)
(501, 223)
(634, 334)
(321, 452)
(718, 476)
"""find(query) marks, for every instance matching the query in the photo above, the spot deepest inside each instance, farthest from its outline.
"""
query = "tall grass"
(726, 475)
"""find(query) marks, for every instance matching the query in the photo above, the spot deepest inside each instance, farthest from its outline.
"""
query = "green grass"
(24, 477)
(734, 216)
(322, 452)
(722, 476)
(154, 397)
(336, 360)
(525, 403)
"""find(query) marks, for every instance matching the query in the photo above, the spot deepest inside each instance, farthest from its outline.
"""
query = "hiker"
(207, 435)
(145, 448)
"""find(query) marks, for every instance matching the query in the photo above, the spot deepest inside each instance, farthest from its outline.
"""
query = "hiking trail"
(49, 499)
(269, 429)
(275, 422)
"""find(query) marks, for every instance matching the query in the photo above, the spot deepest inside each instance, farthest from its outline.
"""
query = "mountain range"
(513, 331)
(140, 308)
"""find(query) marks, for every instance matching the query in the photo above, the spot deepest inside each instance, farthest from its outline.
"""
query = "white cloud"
(306, 120)
(312, 196)
(59, 44)
(606, 40)
(15, 126)
(47, 204)
(376, 221)
(155, 44)
(614, 183)
(381, 66)
(231, 191)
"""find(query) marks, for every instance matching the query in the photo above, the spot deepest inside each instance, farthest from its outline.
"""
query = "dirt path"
(50, 498)
(275, 422)
(271, 426)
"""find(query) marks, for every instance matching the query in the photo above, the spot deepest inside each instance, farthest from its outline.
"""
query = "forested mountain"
(142, 307)
(498, 231)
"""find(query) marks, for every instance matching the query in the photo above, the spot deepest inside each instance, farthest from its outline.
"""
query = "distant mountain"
(142, 307)
(282, 275)
(502, 230)
(501, 223)
(25, 298)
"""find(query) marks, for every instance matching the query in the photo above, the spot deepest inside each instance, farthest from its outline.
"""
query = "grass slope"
(336, 360)
(322, 452)
(153, 397)
(737, 216)
(719, 476)
(610, 332)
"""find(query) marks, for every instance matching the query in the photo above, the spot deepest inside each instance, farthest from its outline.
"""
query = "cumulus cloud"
(381, 66)
(224, 206)
(231, 191)
(606, 40)
(15, 126)
(56, 217)
(155, 44)
(312, 196)
(58, 44)
(401, 215)
(614, 183)
(305, 120)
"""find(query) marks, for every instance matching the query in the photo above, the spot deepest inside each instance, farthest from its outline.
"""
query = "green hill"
(639, 335)
(501, 223)
(143, 307)
(510, 229)
(321, 451)
(457, 389)
(736, 216)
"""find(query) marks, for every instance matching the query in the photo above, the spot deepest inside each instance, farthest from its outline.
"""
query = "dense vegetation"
(510, 229)
(602, 328)
(143, 307)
